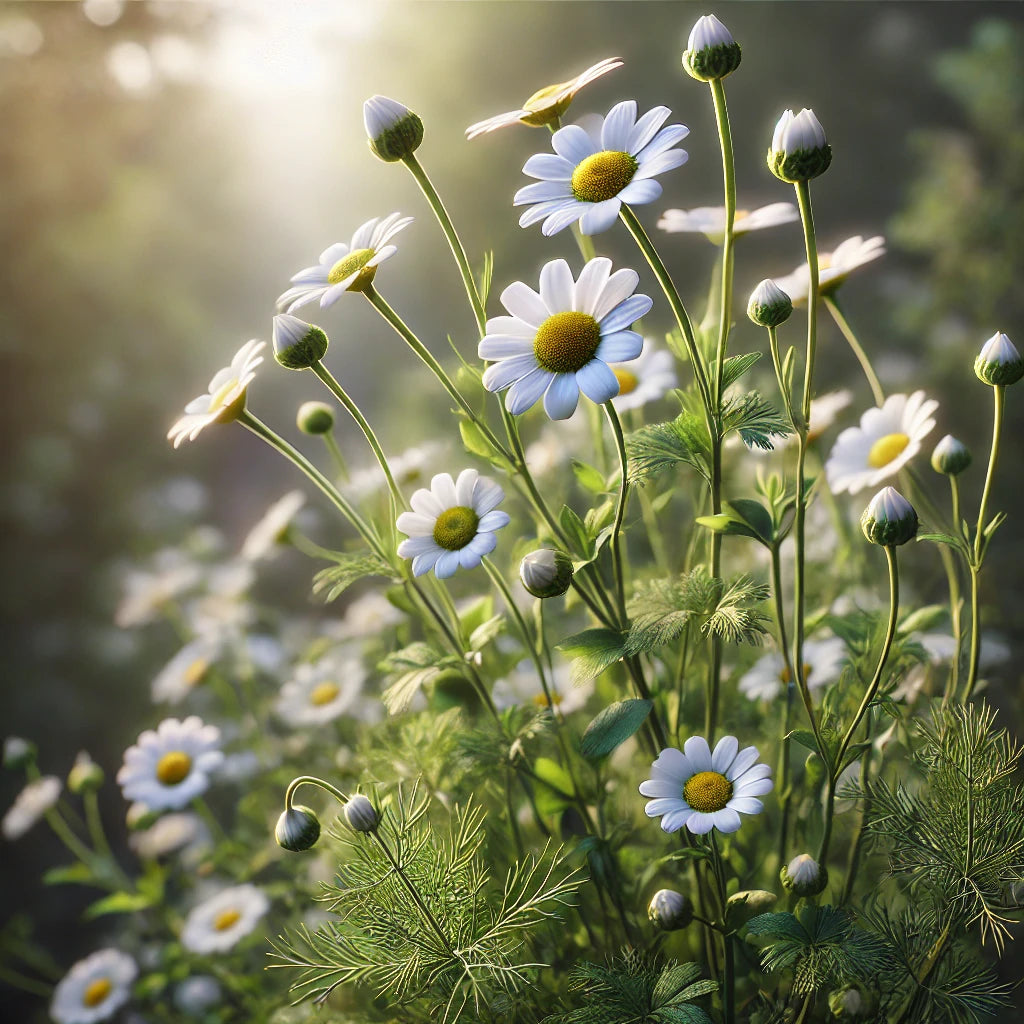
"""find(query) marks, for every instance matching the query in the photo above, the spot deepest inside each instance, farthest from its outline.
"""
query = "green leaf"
(736, 366)
(756, 419)
(614, 726)
(735, 619)
(117, 903)
(486, 276)
(754, 515)
(590, 479)
(944, 538)
(592, 651)
(727, 526)
(68, 874)
(336, 579)
(576, 531)
(473, 439)
(805, 738)
(557, 792)
(486, 632)
(661, 446)
(414, 666)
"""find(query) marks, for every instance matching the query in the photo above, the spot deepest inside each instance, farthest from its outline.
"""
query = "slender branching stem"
(832, 305)
(620, 509)
(729, 986)
(336, 456)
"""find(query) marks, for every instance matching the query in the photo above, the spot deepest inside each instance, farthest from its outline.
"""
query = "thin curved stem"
(832, 304)
(620, 509)
(335, 453)
(311, 780)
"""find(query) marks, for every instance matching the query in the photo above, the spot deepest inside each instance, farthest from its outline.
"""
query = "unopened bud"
(999, 363)
(769, 305)
(297, 345)
(85, 775)
(141, 816)
(951, 456)
(711, 51)
(297, 829)
(315, 418)
(18, 752)
(546, 572)
(394, 131)
(670, 910)
(804, 876)
(889, 520)
(361, 814)
(799, 149)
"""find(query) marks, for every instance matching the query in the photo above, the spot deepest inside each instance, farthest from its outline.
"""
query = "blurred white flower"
(369, 615)
(30, 805)
(197, 994)
(408, 468)
(322, 691)
(148, 591)
(219, 923)
(170, 833)
(186, 670)
(823, 664)
(650, 376)
(710, 220)
(94, 989)
(833, 268)
(263, 539)
(523, 686)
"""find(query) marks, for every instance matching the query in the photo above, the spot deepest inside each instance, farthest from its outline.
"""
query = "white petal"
(617, 126)
(727, 820)
(627, 311)
(549, 167)
(660, 788)
(597, 381)
(620, 347)
(700, 824)
(672, 764)
(522, 301)
(416, 546)
(640, 191)
(573, 143)
(424, 502)
(487, 495)
(508, 371)
(464, 486)
(698, 753)
(590, 286)
(665, 139)
(422, 564)
(415, 525)
(725, 751)
(443, 487)
(601, 216)
(560, 219)
(746, 804)
(447, 565)
(493, 520)
(646, 128)
(331, 255)
(542, 192)
(665, 805)
(661, 163)
(562, 396)
(617, 288)
(525, 391)
(745, 758)
(556, 286)
(503, 346)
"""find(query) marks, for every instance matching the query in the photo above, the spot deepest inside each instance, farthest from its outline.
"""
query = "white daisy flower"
(95, 988)
(823, 664)
(369, 616)
(197, 994)
(265, 536)
(452, 524)
(704, 790)
(223, 611)
(833, 268)
(546, 104)
(710, 220)
(168, 834)
(30, 805)
(652, 375)
(225, 398)
(593, 172)
(345, 268)
(522, 686)
(560, 342)
(169, 767)
(886, 440)
(148, 591)
(185, 671)
(407, 468)
(322, 691)
(219, 923)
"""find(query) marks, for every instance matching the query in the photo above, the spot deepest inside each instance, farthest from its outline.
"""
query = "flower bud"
(315, 418)
(711, 51)
(889, 520)
(799, 149)
(756, 901)
(18, 752)
(951, 456)
(360, 814)
(999, 363)
(769, 305)
(297, 829)
(140, 816)
(394, 131)
(546, 573)
(852, 1002)
(804, 876)
(85, 776)
(670, 910)
(297, 345)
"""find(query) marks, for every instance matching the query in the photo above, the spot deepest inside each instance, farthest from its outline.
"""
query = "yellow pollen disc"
(707, 791)
(887, 448)
(173, 767)
(541, 700)
(603, 175)
(195, 672)
(324, 693)
(455, 527)
(225, 919)
(96, 992)
(628, 381)
(353, 263)
(566, 342)
(785, 677)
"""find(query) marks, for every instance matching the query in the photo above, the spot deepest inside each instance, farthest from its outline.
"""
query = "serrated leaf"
(336, 579)
(117, 903)
(735, 619)
(486, 632)
(589, 477)
(592, 651)
(613, 726)
(736, 366)
(661, 446)
(756, 419)
(415, 665)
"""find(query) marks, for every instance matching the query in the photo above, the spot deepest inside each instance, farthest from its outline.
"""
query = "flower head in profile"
(594, 171)
(225, 399)
(392, 129)
(452, 524)
(884, 442)
(94, 989)
(649, 377)
(265, 538)
(833, 268)
(219, 923)
(823, 664)
(704, 790)
(186, 670)
(345, 268)
(322, 691)
(559, 342)
(546, 105)
(710, 220)
(30, 805)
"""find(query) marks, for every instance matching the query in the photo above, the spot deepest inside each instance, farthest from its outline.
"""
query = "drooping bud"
(394, 131)
(361, 814)
(999, 363)
(852, 1002)
(799, 149)
(297, 829)
(18, 752)
(804, 876)
(889, 520)
(315, 418)
(297, 345)
(85, 776)
(711, 51)
(670, 910)
(769, 305)
(546, 572)
(951, 456)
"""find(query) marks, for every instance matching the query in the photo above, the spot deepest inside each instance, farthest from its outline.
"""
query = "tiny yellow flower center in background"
(195, 672)
(707, 791)
(603, 175)
(324, 693)
(455, 527)
(542, 701)
(628, 380)
(566, 342)
(887, 448)
(738, 216)
(225, 919)
(96, 992)
(353, 263)
(173, 767)
(786, 678)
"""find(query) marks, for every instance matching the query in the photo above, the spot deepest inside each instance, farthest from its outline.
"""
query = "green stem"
(858, 843)
(620, 509)
(311, 780)
(784, 775)
(728, 241)
(64, 833)
(787, 398)
(832, 304)
(336, 456)
(729, 988)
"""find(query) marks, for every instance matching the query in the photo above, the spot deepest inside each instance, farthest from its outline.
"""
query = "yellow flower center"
(566, 342)
(218, 399)
(603, 175)
(887, 448)
(707, 791)
(96, 992)
(785, 677)
(455, 527)
(353, 263)
(225, 919)
(628, 380)
(543, 107)
(324, 693)
(542, 701)
(173, 767)
(195, 672)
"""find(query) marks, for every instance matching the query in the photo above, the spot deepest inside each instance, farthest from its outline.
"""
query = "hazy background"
(165, 167)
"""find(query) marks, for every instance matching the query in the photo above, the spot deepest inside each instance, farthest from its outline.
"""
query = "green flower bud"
(546, 573)
(670, 910)
(769, 305)
(18, 752)
(140, 817)
(852, 1002)
(950, 456)
(315, 418)
(297, 345)
(711, 51)
(394, 131)
(999, 363)
(756, 901)
(297, 829)
(889, 520)
(361, 814)
(804, 876)
(85, 776)
(799, 149)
